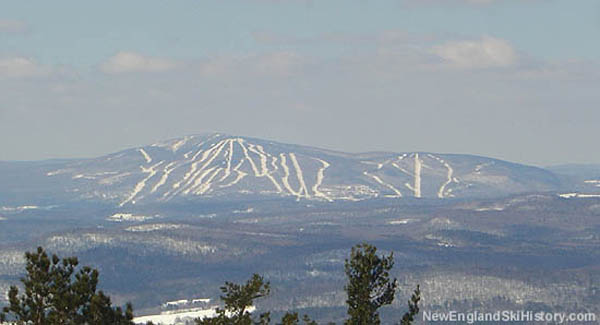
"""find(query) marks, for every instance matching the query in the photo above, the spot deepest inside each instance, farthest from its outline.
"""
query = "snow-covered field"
(120, 217)
(579, 195)
(179, 317)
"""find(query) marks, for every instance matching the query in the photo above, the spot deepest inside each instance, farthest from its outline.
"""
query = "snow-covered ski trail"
(164, 177)
(418, 167)
(140, 186)
(146, 155)
(381, 182)
(299, 175)
(442, 192)
(320, 177)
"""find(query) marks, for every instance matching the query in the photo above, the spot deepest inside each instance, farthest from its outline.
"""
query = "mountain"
(583, 178)
(217, 166)
(174, 220)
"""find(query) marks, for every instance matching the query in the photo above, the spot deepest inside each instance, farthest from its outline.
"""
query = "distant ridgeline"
(213, 166)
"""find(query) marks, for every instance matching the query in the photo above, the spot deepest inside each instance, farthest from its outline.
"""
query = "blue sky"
(512, 79)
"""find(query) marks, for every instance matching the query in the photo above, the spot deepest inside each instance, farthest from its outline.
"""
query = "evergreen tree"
(238, 298)
(294, 319)
(55, 292)
(413, 307)
(369, 286)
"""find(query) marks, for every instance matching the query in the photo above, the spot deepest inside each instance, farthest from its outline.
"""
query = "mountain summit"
(219, 165)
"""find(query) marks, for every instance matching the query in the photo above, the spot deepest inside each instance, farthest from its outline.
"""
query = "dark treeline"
(57, 291)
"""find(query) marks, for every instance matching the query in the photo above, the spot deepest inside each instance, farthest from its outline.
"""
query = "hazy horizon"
(290, 143)
(514, 80)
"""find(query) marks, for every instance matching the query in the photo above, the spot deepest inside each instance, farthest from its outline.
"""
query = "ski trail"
(273, 158)
(252, 164)
(442, 193)
(205, 186)
(402, 169)
(240, 175)
(198, 180)
(180, 143)
(263, 160)
(207, 157)
(194, 165)
(189, 173)
(146, 156)
(263, 165)
(418, 167)
(274, 163)
(390, 186)
(140, 186)
(286, 175)
(320, 177)
(400, 158)
(299, 175)
(164, 177)
(229, 157)
(210, 155)
(197, 154)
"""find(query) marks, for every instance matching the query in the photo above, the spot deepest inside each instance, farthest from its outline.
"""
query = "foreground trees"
(57, 292)
(369, 287)
(238, 299)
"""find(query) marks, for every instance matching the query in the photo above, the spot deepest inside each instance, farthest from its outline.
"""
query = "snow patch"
(249, 210)
(180, 143)
(593, 182)
(400, 221)
(20, 208)
(172, 317)
(59, 171)
(578, 195)
(491, 208)
(153, 227)
(120, 217)
(113, 179)
(352, 192)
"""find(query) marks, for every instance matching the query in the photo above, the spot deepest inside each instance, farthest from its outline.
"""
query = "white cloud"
(12, 26)
(488, 52)
(124, 62)
(18, 67)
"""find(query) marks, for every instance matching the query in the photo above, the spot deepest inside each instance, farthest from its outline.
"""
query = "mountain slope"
(219, 165)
